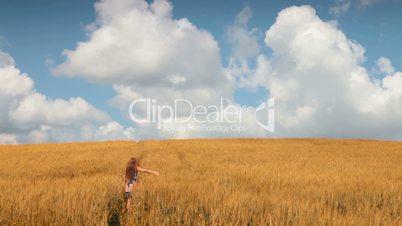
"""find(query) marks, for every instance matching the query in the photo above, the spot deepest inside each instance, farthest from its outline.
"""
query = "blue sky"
(36, 32)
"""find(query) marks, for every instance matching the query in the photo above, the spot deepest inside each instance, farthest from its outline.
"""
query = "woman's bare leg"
(128, 204)
(129, 189)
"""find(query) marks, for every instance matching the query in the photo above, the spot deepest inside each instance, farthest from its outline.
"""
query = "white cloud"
(14, 83)
(37, 108)
(244, 41)
(139, 44)
(320, 87)
(166, 96)
(5, 59)
(144, 52)
(247, 77)
(115, 131)
(343, 6)
(315, 72)
(367, 2)
(8, 138)
(28, 116)
(245, 48)
(385, 65)
(340, 7)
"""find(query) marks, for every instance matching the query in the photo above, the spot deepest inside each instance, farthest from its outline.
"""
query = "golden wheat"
(204, 182)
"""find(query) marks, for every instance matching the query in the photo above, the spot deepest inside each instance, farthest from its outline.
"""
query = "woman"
(131, 178)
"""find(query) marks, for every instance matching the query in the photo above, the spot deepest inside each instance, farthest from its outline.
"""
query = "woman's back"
(131, 169)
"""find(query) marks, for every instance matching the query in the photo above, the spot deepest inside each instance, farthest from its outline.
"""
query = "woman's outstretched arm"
(147, 171)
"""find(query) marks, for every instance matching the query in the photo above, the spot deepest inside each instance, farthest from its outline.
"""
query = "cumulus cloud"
(315, 72)
(144, 52)
(139, 43)
(319, 84)
(28, 116)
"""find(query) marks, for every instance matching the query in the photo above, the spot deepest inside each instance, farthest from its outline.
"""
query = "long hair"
(131, 169)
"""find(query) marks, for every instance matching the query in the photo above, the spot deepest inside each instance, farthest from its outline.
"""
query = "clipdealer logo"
(182, 111)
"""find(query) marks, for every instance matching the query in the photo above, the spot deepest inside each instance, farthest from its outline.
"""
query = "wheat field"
(204, 182)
